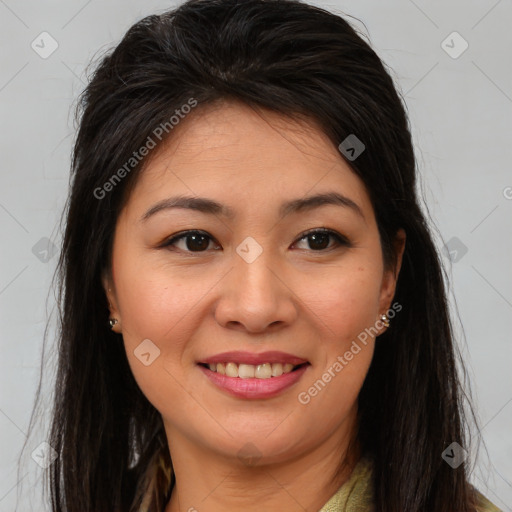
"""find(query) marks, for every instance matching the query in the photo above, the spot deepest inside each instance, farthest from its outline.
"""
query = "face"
(281, 288)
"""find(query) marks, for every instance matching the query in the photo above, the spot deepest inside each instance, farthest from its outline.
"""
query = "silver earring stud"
(112, 322)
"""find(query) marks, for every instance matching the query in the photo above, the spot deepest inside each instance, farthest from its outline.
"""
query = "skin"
(197, 301)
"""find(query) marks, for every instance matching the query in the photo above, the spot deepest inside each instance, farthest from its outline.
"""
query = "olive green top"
(356, 494)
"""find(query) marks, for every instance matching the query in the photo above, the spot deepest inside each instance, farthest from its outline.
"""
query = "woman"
(254, 313)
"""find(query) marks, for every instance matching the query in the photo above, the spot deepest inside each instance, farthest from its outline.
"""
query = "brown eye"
(318, 240)
(195, 241)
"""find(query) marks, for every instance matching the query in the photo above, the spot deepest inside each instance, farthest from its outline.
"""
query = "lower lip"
(255, 388)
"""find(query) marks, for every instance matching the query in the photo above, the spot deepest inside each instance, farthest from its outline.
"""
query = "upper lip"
(254, 359)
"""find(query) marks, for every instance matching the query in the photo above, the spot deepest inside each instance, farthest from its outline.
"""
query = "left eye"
(198, 241)
(319, 238)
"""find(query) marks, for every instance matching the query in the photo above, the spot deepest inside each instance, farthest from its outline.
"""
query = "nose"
(256, 297)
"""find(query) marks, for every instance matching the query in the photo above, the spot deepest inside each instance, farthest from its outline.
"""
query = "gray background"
(460, 110)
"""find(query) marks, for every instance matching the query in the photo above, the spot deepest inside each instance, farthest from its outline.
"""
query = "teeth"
(263, 371)
(232, 370)
(250, 371)
(277, 369)
(246, 371)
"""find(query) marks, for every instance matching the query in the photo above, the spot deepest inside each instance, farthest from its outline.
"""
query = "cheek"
(156, 304)
(156, 311)
(346, 300)
(347, 306)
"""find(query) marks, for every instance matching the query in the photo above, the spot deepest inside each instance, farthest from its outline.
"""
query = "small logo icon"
(454, 455)
(249, 249)
(454, 249)
(249, 454)
(351, 147)
(454, 45)
(507, 192)
(44, 455)
(44, 45)
(44, 250)
(146, 352)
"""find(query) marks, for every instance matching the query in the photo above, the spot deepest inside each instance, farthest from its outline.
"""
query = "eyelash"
(341, 241)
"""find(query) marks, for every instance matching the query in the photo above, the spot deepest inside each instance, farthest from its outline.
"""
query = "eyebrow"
(209, 206)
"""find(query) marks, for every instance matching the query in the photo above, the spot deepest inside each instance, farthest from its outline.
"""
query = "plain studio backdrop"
(451, 61)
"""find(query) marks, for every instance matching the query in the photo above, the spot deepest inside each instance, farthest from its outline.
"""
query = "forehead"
(232, 130)
(245, 156)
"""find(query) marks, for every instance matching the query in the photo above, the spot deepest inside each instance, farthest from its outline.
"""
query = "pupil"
(203, 245)
(319, 237)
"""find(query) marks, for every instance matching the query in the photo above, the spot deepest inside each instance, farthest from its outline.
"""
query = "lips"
(253, 376)
(255, 388)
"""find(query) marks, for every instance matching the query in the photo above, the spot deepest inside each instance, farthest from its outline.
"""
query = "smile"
(250, 371)
(253, 376)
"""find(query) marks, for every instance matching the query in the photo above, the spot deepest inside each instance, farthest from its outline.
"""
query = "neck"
(204, 481)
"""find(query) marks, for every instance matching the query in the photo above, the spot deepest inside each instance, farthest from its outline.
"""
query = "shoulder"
(356, 494)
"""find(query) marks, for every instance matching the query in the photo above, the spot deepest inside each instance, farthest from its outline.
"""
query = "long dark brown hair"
(300, 61)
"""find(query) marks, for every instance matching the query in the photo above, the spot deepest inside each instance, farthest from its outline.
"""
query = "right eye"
(194, 241)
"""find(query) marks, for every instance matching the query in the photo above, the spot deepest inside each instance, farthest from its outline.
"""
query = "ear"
(390, 277)
(108, 286)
